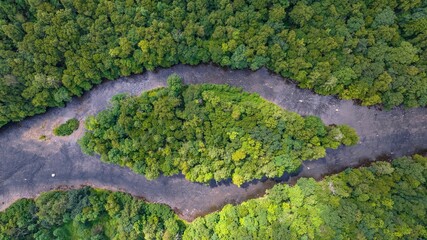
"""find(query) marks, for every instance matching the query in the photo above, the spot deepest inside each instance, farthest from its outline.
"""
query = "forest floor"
(27, 162)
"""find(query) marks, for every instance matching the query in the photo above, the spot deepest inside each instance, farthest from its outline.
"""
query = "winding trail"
(27, 163)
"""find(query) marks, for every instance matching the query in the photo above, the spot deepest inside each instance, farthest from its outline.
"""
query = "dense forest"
(207, 132)
(371, 51)
(383, 201)
(88, 214)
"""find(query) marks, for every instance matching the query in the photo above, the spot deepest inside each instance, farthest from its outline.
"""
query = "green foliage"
(52, 50)
(88, 214)
(207, 132)
(383, 201)
(66, 128)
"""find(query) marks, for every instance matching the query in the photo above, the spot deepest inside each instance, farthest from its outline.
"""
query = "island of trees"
(207, 132)
(383, 201)
(372, 51)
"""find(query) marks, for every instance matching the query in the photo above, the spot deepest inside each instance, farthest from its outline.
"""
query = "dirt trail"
(27, 163)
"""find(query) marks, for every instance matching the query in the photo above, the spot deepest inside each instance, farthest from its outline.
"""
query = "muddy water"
(27, 162)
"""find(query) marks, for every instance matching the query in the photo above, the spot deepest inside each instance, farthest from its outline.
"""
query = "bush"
(67, 128)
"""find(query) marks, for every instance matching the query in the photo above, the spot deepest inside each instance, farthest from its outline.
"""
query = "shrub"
(67, 128)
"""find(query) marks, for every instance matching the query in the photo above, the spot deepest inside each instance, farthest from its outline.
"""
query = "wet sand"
(27, 163)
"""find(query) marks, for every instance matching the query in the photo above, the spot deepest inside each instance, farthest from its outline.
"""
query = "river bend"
(27, 163)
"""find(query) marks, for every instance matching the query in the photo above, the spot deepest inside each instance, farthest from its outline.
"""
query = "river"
(30, 166)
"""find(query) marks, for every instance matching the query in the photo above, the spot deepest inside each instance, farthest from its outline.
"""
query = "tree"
(67, 128)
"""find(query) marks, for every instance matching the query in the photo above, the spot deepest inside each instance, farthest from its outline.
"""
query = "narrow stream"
(27, 163)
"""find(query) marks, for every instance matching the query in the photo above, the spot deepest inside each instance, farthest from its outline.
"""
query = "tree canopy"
(207, 132)
(372, 51)
(88, 214)
(383, 201)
